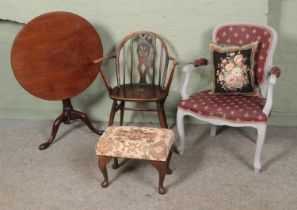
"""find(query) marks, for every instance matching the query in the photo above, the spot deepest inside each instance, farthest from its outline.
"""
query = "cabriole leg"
(115, 164)
(260, 141)
(213, 130)
(103, 160)
(161, 167)
(181, 132)
(169, 171)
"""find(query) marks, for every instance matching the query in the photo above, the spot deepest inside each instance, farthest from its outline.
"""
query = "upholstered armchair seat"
(234, 108)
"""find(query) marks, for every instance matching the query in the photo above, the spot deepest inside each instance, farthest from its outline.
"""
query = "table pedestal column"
(66, 116)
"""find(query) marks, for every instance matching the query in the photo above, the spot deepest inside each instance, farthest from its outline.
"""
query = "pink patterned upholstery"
(243, 34)
(234, 108)
(199, 62)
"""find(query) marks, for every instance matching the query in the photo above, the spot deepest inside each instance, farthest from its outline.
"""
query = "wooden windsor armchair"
(144, 72)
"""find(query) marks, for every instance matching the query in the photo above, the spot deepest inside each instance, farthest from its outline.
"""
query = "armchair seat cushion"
(136, 92)
(234, 108)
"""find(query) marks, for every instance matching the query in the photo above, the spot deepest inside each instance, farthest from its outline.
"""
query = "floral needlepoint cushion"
(136, 142)
(233, 69)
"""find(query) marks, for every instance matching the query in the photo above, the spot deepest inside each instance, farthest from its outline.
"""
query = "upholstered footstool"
(144, 143)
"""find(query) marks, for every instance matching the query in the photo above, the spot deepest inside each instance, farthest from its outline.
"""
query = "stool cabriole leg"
(169, 171)
(115, 164)
(161, 166)
(103, 160)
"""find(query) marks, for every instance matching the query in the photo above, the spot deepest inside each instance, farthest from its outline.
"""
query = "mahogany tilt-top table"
(52, 58)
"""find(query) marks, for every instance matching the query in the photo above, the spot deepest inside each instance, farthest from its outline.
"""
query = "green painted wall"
(283, 17)
(186, 26)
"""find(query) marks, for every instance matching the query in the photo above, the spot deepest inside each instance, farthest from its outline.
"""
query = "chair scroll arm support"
(175, 63)
(275, 71)
(274, 74)
(105, 80)
(200, 62)
(187, 69)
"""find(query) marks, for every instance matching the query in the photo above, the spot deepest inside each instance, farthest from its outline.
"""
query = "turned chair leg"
(181, 130)
(112, 113)
(213, 130)
(162, 115)
(260, 141)
(115, 164)
(161, 167)
(103, 160)
(122, 109)
(110, 122)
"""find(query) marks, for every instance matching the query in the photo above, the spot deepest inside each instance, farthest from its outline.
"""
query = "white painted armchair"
(234, 110)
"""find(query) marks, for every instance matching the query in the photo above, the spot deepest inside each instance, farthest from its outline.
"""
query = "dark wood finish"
(162, 170)
(103, 160)
(169, 171)
(140, 93)
(161, 166)
(122, 108)
(66, 117)
(114, 109)
(161, 114)
(115, 164)
(142, 68)
(52, 58)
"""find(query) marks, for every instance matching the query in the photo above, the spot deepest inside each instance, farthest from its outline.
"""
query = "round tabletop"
(52, 56)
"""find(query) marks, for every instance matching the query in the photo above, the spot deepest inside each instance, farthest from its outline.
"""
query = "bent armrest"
(188, 71)
(100, 60)
(105, 80)
(274, 74)
(175, 63)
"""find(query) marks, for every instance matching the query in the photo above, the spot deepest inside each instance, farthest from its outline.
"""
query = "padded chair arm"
(105, 80)
(276, 71)
(188, 71)
(199, 62)
(274, 74)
